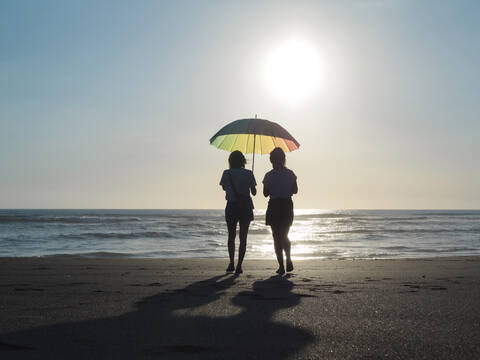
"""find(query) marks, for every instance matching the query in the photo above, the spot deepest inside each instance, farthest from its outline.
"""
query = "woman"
(238, 183)
(280, 184)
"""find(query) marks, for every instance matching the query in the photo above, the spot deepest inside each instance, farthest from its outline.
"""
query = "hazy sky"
(110, 104)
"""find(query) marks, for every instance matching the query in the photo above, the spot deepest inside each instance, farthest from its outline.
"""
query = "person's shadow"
(192, 322)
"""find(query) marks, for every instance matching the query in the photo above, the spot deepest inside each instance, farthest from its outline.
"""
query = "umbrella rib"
(274, 139)
(224, 138)
(234, 143)
(289, 145)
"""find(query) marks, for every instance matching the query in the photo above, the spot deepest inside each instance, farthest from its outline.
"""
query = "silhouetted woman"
(237, 183)
(280, 184)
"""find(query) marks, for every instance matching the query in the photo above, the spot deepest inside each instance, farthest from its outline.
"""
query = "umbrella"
(257, 136)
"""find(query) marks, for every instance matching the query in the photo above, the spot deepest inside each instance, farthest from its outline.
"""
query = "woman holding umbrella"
(280, 184)
(238, 182)
(260, 136)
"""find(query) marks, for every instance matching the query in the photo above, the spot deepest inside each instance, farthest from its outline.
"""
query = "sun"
(293, 71)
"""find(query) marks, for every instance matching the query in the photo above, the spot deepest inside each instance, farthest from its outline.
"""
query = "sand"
(117, 308)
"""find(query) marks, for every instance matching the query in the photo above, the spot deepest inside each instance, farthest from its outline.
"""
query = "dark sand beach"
(116, 308)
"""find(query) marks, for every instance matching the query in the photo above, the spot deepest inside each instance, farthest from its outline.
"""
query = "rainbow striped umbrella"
(253, 136)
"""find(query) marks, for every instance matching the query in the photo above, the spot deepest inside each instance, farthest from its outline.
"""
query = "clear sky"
(110, 104)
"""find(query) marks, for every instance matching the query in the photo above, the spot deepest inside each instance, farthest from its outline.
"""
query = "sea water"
(345, 234)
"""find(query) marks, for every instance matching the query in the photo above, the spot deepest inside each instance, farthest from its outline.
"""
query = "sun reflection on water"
(306, 235)
(372, 234)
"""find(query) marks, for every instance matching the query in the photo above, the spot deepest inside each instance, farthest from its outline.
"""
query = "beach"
(143, 143)
(123, 308)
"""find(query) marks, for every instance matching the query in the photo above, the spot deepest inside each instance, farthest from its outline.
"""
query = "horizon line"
(337, 209)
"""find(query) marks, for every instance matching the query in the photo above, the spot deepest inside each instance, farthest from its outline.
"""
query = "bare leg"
(286, 242)
(232, 232)
(287, 246)
(243, 244)
(277, 242)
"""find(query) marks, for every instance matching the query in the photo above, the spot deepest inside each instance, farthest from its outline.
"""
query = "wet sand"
(117, 308)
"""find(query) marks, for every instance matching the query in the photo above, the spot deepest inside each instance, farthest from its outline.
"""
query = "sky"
(111, 104)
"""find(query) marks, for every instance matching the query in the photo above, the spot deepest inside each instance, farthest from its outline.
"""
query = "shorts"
(234, 213)
(279, 212)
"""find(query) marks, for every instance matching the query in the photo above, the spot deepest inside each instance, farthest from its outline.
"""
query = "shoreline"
(338, 234)
(123, 308)
(110, 255)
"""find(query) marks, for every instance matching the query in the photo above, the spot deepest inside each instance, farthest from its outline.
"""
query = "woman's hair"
(236, 160)
(277, 158)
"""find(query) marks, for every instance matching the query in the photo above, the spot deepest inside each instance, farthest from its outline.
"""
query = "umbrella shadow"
(197, 320)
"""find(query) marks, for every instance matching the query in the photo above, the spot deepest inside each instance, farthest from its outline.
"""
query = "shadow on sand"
(196, 322)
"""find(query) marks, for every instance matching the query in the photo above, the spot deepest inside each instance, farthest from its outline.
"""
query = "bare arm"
(223, 182)
(295, 187)
(266, 192)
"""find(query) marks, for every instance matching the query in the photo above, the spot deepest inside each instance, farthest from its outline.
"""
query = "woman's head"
(236, 160)
(277, 158)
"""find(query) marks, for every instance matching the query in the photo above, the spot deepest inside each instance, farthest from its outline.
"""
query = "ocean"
(322, 234)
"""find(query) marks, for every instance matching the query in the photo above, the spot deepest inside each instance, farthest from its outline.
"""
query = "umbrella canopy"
(257, 136)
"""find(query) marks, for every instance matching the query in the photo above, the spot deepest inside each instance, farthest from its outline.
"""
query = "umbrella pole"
(253, 161)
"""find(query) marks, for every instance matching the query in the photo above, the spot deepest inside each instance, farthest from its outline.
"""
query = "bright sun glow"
(293, 71)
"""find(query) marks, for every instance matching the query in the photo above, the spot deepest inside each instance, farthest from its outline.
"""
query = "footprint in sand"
(6, 346)
(438, 288)
(187, 348)
(29, 289)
